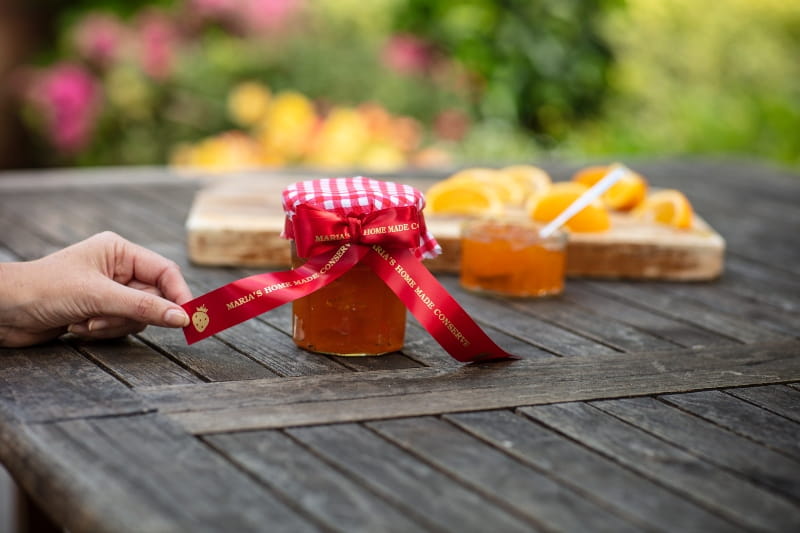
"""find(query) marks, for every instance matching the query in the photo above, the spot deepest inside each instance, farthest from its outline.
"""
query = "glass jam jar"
(508, 257)
(357, 314)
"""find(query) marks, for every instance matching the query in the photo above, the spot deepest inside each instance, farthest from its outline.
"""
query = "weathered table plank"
(741, 500)
(779, 400)
(43, 180)
(585, 470)
(134, 363)
(129, 220)
(743, 418)
(321, 491)
(23, 242)
(139, 210)
(713, 444)
(136, 474)
(220, 407)
(499, 477)
(53, 382)
(693, 312)
(756, 241)
(763, 314)
(213, 360)
(593, 324)
(276, 350)
(608, 305)
(739, 178)
(419, 490)
(762, 284)
(545, 335)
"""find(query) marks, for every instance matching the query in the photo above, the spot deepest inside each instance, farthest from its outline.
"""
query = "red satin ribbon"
(336, 244)
(316, 230)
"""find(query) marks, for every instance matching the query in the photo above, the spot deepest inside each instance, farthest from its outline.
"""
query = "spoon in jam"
(614, 174)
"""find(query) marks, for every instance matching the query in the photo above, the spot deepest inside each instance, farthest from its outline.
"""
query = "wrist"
(8, 299)
(21, 313)
(18, 289)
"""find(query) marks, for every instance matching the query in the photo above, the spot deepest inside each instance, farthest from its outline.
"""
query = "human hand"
(102, 287)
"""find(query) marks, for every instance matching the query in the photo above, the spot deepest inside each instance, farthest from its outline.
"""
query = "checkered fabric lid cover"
(357, 196)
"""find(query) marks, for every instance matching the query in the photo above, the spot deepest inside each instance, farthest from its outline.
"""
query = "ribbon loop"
(354, 226)
(317, 230)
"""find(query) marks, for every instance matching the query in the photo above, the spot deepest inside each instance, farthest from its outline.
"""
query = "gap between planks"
(311, 400)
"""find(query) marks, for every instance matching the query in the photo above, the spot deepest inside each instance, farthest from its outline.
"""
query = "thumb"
(119, 300)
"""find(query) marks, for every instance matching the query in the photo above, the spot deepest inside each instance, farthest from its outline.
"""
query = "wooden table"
(638, 406)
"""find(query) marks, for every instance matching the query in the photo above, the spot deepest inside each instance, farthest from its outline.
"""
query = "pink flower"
(158, 40)
(68, 97)
(249, 16)
(213, 9)
(269, 15)
(407, 54)
(98, 37)
(451, 124)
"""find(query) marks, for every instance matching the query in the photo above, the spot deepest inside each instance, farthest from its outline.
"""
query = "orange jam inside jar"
(357, 314)
(509, 258)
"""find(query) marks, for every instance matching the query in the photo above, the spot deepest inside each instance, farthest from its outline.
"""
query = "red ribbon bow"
(335, 243)
(317, 230)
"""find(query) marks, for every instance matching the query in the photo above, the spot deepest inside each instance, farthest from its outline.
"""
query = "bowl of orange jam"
(509, 258)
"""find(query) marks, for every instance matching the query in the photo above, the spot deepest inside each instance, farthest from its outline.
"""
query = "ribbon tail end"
(492, 357)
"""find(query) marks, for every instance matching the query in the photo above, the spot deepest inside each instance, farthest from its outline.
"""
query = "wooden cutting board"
(237, 222)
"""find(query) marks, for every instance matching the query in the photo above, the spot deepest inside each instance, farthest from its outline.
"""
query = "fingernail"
(97, 323)
(78, 329)
(176, 318)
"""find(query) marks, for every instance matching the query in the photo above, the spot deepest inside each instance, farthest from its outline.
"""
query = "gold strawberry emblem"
(200, 318)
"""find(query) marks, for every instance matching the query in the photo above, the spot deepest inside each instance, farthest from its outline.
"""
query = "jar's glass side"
(509, 258)
(355, 315)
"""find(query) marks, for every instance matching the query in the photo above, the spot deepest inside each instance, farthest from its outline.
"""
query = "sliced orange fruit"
(463, 197)
(561, 187)
(533, 180)
(590, 175)
(627, 193)
(509, 191)
(624, 195)
(668, 206)
(548, 205)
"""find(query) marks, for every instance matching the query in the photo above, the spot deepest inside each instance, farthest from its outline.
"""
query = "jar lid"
(357, 197)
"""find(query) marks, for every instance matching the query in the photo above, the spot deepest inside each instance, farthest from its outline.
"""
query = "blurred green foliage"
(539, 64)
(575, 78)
(700, 78)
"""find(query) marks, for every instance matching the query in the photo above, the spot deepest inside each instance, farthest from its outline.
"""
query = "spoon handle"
(612, 176)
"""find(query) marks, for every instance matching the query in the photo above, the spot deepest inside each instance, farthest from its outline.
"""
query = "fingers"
(85, 285)
(106, 328)
(138, 285)
(109, 327)
(173, 286)
(127, 262)
(116, 300)
(19, 338)
(158, 271)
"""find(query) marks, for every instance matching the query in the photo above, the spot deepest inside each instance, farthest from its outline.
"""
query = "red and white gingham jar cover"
(357, 196)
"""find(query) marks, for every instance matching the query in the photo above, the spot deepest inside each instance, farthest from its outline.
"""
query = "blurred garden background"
(383, 85)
